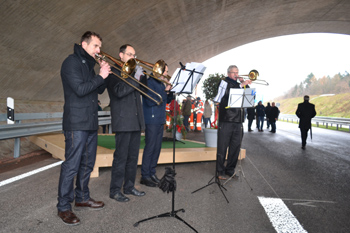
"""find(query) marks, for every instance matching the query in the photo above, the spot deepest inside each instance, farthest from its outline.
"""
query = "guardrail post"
(337, 127)
(327, 125)
(317, 123)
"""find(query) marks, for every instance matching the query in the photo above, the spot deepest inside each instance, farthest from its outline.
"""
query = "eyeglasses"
(131, 55)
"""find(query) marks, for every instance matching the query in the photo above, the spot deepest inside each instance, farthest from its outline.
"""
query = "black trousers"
(151, 152)
(229, 137)
(124, 166)
(303, 132)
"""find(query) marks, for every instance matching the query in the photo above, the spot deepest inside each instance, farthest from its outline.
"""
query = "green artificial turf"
(108, 141)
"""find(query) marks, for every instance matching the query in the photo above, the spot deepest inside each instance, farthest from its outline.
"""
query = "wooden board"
(54, 144)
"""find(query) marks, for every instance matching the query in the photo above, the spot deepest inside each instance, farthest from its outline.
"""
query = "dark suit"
(127, 123)
(305, 111)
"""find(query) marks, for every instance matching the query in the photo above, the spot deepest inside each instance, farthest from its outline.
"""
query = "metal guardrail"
(18, 130)
(339, 122)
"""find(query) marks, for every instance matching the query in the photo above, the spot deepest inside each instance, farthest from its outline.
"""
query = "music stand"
(184, 80)
(241, 98)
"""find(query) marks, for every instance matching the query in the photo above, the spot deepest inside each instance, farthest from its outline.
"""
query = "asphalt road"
(281, 188)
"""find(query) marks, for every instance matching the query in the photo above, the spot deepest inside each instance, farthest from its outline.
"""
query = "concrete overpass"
(36, 36)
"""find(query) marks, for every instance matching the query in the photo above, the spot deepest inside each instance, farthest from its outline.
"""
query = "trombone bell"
(253, 75)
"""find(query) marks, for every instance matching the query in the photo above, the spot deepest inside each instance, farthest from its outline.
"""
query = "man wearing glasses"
(230, 127)
(127, 124)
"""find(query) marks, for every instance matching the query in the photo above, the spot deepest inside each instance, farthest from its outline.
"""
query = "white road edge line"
(13, 179)
(280, 216)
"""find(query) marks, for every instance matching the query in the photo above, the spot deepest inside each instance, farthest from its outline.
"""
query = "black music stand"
(241, 100)
(180, 87)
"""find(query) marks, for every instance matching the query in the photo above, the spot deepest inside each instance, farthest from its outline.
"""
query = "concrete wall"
(37, 35)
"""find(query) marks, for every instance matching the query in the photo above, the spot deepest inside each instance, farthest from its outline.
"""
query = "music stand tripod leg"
(173, 212)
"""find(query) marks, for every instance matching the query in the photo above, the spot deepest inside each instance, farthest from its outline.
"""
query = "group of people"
(129, 116)
(194, 112)
(271, 112)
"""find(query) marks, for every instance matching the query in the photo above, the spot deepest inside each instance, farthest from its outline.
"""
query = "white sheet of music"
(180, 85)
(221, 91)
(236, 98)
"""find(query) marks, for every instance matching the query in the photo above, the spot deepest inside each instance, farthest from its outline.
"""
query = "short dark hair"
(123, 48)
(87, 36)
(306, 97)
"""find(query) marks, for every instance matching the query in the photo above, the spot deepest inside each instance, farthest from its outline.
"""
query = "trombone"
(126, 69)
(157, 68)
(253, 76)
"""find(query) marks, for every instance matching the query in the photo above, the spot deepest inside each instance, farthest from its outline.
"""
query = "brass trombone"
(253, 76)
(157, 68)
(126, 69)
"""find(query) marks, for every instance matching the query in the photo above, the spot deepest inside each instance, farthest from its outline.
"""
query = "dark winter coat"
(81, 87)
(274, 112)
(125, 101)
(155, 114)
(260, 110)
(230, 114)
(305, 111)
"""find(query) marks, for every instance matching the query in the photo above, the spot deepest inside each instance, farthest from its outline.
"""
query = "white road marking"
(13, 179)
(280, 216)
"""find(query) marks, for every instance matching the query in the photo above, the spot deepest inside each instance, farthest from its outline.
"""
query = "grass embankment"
(327, 106)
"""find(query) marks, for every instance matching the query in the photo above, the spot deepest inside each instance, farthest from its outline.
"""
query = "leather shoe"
(155, 179)
(148, 182)
(120, 197)
(135, 192)
(230, 173)
(69, 217)
(91, 203)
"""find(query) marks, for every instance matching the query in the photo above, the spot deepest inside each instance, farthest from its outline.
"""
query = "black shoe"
(135, 192)
(155, 179)
(230, 173)
(303, 147)
(148, 182)
(119, 197)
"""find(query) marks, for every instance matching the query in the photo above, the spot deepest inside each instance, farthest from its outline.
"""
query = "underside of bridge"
(37, 35)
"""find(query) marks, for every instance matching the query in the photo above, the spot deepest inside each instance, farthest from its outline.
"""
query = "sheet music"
(221, 91)
(182, 80)
(236, 98)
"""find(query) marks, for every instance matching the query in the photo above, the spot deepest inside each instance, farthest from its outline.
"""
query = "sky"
(284, 61)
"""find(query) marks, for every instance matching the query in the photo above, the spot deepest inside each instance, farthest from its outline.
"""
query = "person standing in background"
(207, 113)
(273, 117)
(260, 112)
(305, 111)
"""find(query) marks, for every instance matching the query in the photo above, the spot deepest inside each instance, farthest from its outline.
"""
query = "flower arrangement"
(179, 122)
(179, 125)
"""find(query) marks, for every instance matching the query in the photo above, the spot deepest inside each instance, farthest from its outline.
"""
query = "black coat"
(229, 114)
(125, 101)
(81, 87)
(305, 111)
(251, 113)
(273, 115)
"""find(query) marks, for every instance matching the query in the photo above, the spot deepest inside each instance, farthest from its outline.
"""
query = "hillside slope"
(330, 106)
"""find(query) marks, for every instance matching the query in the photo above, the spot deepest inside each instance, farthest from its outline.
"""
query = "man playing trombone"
(81, 87)
(155, 120)
(230, 131)
(127, 124)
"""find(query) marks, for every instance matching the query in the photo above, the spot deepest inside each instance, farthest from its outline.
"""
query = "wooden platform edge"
(54, 144)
